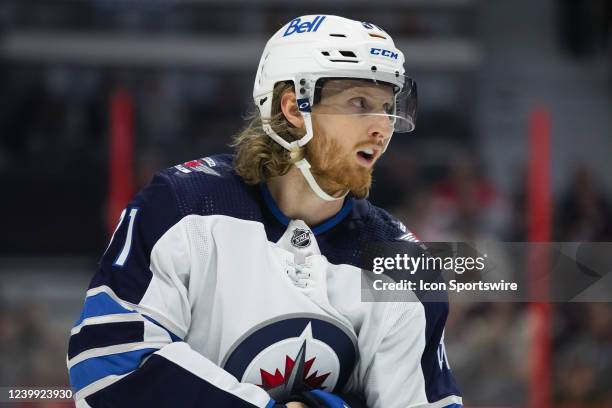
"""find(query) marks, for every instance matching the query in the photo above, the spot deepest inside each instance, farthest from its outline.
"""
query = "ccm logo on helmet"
(383, 52)
(296, 26)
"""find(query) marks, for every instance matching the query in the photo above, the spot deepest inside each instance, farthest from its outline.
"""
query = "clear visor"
(367, 99)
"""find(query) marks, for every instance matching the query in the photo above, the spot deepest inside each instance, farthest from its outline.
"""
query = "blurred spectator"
(583, 353)
(32, 353)
(467, 203)
(498, 374)
(584, 212)
(582, 343)
(463, 206)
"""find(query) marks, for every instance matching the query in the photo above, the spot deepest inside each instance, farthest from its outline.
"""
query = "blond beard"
(336, 172)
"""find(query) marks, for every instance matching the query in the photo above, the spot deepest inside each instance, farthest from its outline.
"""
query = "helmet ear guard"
(304, 91)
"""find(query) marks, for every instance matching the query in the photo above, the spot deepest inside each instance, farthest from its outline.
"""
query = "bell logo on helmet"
(296, 26)
(383, 52)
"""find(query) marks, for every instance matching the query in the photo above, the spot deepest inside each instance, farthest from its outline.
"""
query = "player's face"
(350, 132)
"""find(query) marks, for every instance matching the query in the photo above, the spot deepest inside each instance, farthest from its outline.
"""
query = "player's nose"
(380, 128)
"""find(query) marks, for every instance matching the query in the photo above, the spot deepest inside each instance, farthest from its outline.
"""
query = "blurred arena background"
(176, 75)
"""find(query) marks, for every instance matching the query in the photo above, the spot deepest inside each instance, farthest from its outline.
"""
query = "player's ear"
(288, 105)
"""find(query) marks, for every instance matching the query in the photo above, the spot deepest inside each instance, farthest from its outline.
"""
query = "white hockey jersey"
(209, 296)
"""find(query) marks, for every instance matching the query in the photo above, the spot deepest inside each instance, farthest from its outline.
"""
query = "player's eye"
(388, 107)
(358, 102)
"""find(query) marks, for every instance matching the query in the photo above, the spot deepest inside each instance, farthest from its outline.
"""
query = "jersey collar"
(319, 229)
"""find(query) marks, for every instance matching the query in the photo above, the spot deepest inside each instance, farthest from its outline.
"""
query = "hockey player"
(234, 281)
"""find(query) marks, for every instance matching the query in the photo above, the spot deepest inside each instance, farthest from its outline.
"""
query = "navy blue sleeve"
(439, 380)
(126, 348)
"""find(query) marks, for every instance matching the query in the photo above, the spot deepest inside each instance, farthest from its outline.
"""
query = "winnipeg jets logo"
(298, 374)
(305, 361)
(292, 354)
(300, 238)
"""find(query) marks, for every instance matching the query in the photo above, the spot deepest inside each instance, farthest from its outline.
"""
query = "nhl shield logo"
(300, 238)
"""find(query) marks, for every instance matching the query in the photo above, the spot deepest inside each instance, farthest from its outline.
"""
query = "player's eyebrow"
(368, 91)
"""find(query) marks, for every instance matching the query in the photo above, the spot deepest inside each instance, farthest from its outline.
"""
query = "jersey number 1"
(125, 251)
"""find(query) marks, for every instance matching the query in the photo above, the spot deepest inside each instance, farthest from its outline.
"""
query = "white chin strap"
(303, 164)
(304, 167)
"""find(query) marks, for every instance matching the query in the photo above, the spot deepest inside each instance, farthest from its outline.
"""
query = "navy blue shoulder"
(376, 224)
(207, 186)
(210, 186)
(367, 227)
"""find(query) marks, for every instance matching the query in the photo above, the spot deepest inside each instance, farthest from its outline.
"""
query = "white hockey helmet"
(320, 47)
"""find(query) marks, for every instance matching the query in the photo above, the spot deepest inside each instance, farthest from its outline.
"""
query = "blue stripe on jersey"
(104, 335)
(453, 406)
(333, 221)
(96, 368)
(100, 305)
(162, 383)
(319, 229)
(173, 336)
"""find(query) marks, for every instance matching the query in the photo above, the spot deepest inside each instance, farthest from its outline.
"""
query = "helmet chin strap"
(304, 167)
(303, 164)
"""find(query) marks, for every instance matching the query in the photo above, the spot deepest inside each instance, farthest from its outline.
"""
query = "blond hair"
(258, 156)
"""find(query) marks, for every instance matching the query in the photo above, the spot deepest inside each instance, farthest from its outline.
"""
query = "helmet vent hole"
(348, 54)
(325, 53)
(337, 35)
(378, 36)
